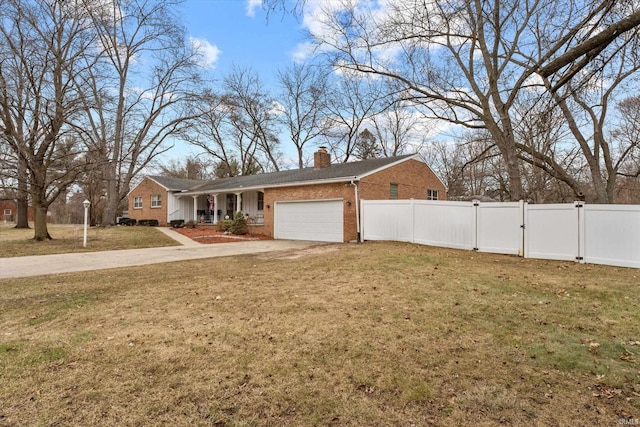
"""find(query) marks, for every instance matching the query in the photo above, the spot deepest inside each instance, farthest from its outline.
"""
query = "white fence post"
(581, 227)
(474, 223)
(363, 215)
(523, 224)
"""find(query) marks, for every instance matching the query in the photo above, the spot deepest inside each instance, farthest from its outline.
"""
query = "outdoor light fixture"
(86, 205)
(348, 202)
(268, 206)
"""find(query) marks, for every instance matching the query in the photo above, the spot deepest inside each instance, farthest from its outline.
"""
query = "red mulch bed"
(208, 234)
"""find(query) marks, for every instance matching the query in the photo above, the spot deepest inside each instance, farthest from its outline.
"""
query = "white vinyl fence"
(599, 234)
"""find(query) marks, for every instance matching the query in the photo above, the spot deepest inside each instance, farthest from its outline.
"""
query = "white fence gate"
(551, 231)
(599, 234)
(499, 227)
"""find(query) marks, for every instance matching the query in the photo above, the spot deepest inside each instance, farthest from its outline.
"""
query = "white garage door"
(318, 220)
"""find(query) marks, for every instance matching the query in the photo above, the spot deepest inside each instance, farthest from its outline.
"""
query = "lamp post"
(86, 205)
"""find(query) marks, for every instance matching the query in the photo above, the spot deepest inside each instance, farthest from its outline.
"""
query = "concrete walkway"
(180, 238)
(87, 261)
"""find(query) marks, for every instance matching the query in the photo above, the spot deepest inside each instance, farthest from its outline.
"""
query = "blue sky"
(237, 32)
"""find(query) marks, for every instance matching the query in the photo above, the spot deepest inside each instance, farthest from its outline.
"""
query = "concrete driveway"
(87, 261)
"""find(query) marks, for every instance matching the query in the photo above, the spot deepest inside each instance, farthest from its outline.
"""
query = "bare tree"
(395, 127)
(303, 100)
(220, 132)
(469, 165)
(586, 104)
(627, 135)
(190, 168)
(541, 131)
(593, 40)
(579, 46)
(627, 144)
(210, 126)
(237, 127)
(254, 118)
(141, 80)
(466, 62)
(39, 66)
(353, 99)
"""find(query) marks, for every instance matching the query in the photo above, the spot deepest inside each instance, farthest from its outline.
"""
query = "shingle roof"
(176, 184)
(334, 172)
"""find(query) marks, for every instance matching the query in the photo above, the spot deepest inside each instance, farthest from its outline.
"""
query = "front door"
(231, 205)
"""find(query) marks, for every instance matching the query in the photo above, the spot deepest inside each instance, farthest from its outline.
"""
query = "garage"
(318, 220)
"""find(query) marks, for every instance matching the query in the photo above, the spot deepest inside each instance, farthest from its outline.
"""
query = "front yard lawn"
(69, 238)
(378, 334)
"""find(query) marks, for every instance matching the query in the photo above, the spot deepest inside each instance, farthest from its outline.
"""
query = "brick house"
(316, 203)
(9, 209)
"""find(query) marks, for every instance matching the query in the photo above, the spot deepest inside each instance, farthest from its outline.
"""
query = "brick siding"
(145, 189)
(413, 177)
(341, 190)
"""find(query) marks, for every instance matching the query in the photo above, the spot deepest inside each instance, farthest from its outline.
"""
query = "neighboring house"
(8, 209)
(318, 203)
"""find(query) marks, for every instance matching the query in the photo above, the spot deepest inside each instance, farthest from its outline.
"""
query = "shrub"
(240, 224)
(191, 224)
(177, 223)
(148, 222)
(127, 221)
(224, 225)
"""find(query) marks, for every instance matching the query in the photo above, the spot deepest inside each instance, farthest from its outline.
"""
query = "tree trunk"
(504, 140)
(516, 192)
(22, 200)
(111, 203)
(40, 224)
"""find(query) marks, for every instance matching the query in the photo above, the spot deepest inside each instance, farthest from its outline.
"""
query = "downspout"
(357, 202)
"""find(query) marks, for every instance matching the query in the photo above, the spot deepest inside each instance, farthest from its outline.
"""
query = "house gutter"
(357, 201)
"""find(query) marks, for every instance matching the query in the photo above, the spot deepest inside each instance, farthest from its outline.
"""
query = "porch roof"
(308, 176)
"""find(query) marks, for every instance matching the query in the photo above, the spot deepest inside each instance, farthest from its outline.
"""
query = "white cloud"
(252, 5)
(277, 109)
(207, 53)
(303, 51)
(382, 20)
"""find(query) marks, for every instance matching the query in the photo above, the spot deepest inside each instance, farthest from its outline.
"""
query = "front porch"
(210, 208)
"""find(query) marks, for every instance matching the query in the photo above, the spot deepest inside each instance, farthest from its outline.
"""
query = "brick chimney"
(321, 158)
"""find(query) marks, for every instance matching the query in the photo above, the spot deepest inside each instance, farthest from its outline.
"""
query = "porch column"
(195, 209)
(238, 203)
(215, 208)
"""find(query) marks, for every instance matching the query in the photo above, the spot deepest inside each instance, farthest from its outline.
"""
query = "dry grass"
(69, 238)
(376, 334)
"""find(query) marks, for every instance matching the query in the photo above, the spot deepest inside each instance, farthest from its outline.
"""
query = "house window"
(393, 191)
(7, 212)
(137, 202)
(260, 201)
(156, 201)
(432, 194)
